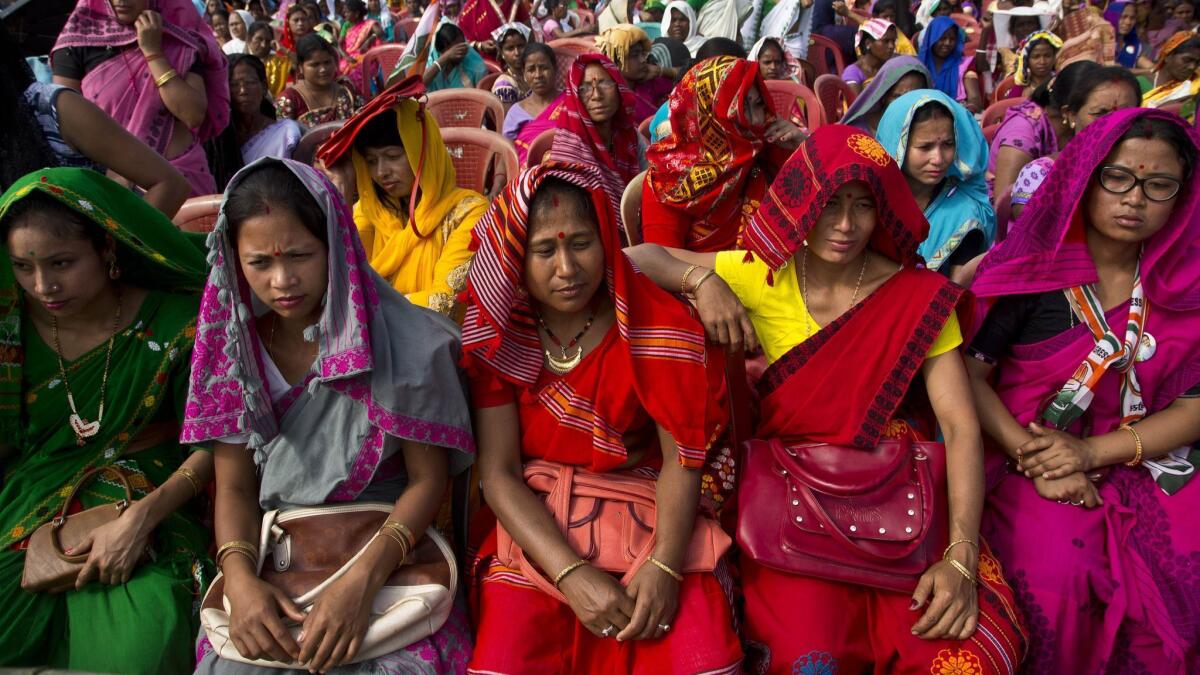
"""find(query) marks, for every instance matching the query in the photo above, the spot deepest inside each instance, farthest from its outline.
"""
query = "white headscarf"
(693, 39)
(1002, 20)
(499, 33)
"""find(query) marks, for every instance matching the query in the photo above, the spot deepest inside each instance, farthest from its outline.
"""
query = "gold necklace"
(566, 364)
(804, 289)
(84, 429)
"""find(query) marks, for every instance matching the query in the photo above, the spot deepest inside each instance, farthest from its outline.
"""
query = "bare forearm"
(236, 512)
(415, 509)
(964, 474)
(676, 496)
(527, 520)
(665, 266)
(182, 95)
(1176, 426)
(994, 418)
(176, 491)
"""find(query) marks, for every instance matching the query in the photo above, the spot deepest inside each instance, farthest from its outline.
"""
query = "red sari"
(599, 416)
(814, 393)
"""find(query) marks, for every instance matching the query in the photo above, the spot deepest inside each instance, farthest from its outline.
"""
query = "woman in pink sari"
(361, 34)
(1086, 375)
(153, 66)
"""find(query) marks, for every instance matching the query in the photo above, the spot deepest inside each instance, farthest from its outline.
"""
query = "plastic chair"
(807, 72)
(376, 65)
(788, 97)
(1001, 91)
(644, 128)
(631, 209)
(409, 26)
(995, 112)
(312, 139)
(488, 82)
(989, 133)
(973, 30)
(825, 55)
(539, 147)
(492, 66)
(835, 96)
(470, 108)
(566, 51)
(199, 214)
(474, 152)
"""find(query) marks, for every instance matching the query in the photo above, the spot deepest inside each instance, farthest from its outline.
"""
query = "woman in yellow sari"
(1176, 77)
(414, 222)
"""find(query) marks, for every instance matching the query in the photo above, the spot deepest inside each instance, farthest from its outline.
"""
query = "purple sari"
(1115, 588)
(123, 87)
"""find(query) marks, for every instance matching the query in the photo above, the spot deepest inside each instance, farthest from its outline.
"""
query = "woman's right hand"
(724, 317)
(256, 625)
(453, 56)
(598, 600)
(1076, 490)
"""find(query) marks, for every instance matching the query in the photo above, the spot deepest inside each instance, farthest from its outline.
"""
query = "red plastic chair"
(478, 156)
(409, 26)
(973, 30)
(835, 96)
(1001, 91)
(807, 72)
(995, 112)
(797, 102)
(539, 147)
(566, 50)
(312, 139)
(989, 133)
(488, 82)
(199, 214)
(469, 108)
(825, 55)
(376, 65)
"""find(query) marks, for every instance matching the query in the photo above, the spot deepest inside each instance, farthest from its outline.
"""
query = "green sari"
(148, 624)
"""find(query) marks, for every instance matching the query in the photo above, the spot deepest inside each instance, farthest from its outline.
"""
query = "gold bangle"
(1137, 441)
(663, 566)
(683, 281)
(250, 555)
(567, 570)
(237, 546)
(396, 537)
(191, 477)
(956, 542)
(700, 282)
(402, 530)
(962, 569)
(165, 78)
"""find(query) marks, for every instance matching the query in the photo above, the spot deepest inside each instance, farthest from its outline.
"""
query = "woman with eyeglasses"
(1086, 374)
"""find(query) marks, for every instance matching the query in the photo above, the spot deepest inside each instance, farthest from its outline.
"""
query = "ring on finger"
(608, 631)
(1078, 503)
(664, 627)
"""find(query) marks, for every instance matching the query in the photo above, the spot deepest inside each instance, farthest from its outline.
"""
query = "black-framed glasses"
(603, 86)
(1119, 180)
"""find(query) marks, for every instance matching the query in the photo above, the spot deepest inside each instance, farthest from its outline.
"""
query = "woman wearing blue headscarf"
(453, 62)
(940, 148)
(942, 53)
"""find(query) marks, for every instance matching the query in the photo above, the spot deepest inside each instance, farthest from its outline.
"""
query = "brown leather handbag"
(873, 517)
(48, 568)
(608, 519)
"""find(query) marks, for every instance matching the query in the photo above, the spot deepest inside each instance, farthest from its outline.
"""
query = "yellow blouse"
(778, 313)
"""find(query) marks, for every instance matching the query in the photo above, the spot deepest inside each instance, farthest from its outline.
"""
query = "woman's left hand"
(656, 597)
(114, 549)
(149, 28)
(953, 612)
(1054, 454)
(334, 630)
(784, 134)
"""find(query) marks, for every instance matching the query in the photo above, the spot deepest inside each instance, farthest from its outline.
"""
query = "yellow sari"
(427, 262)
(278, 68)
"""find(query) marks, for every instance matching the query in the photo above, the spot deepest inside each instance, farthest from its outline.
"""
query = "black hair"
(555, 193)
(1093, 79)
(1168, 132)
(1192, 43)
(298, 7)
(24, 147)
(929, 111)
(308, 46)
(258, 27)
(219, 12)
(273, 185)
(380, 131)
(1055, 93)
(552, 5)
(542, 48)
(260, 71)
(61, 221)
(355, 6)
(446, 36)
(772, 42)
(719, 46)
(509, 33)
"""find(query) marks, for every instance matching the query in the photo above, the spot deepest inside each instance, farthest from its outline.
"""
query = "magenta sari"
(354, 49)
(123, 87)
(1116, 588)
(549, 119)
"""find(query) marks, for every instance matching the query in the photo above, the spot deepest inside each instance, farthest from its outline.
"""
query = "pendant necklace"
(565, 364)
(84, 429)
(804, 289)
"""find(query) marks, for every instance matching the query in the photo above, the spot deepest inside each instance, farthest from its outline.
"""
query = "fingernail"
(914, 605)
(914, 631)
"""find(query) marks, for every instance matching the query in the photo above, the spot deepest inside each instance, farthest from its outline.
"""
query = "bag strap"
(61, 519)
(740, 418)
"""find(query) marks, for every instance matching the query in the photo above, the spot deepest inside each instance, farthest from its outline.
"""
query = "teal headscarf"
(466, 74)
(962, 204)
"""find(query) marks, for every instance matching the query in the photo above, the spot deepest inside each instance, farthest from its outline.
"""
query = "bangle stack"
(700, 282)
(1137, 443)
(399, 533)
(165, 78)
(962, 569)
(663, 566)
(237, 546)
(191, 477)
(683, 282)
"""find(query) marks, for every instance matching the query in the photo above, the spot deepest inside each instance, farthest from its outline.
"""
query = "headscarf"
(238, 45)
(1030, 179)
(925, 10)
(616, 42)
(1174, 42)
(670, 53)
(391, 361)
(832, 156)
(877, 89)
(430, 163)
(962, 205)
(693, 39)
(479, 18)
(876, 28)
(502, 32)
(1002, 18)
(187, 43)
(945, 78)
(470, 70)
(664, 341)
(1129, 45)
(1022, 74)
(151, 252)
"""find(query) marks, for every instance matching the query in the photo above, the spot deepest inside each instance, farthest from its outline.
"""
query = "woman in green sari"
(98, 302)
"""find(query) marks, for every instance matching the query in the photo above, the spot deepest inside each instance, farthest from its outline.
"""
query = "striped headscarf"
(1022, 74)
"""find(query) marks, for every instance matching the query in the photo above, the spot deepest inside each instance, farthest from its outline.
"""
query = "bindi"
(562, 235)
(33, 254)
(277, 253)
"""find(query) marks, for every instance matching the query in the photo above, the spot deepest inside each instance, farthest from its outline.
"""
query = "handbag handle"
(61, 519)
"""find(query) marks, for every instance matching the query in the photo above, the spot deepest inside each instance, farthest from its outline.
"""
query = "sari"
(292, 105)
(1129, 45)
(961, 214)
(814, 393)
(694, 40)
(951, 76)
(354, 48)
(103, 628)
(709, 174)
(870, 102)
(1132, 558)
(385, 373)
(1174, 92)
(599, 416)
(787, 20)
(123, 87)
(1026, 127)
(523, 128)
(426, 255)
(510, 87)
(478, 18)
(464, 75)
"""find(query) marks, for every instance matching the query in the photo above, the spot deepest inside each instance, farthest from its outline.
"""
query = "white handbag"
(310, 548)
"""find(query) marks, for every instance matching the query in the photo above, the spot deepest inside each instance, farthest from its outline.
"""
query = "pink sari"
(352, 46)
(549, 119)
(123, 87)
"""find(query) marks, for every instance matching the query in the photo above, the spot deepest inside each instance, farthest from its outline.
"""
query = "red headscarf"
(574, 119)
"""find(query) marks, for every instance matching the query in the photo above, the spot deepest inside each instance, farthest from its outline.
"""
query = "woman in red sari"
(707, 177)
(549, 264)
(848, 320)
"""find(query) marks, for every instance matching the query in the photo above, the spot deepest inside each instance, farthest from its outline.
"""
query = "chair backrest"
(199, 214)
(469, 108)
(825, 55)
(409, 26)
(566, 51)
(807, 72)
(989, 133)
(835, 96)
(312, 139)
(1001, 91)
(973, 30)
(376, 65)
(644, 128)
(796, 101)
(492, 66)
(631, 209)
(488, 82)
(539, 147)
(479, 155)
(995, 112)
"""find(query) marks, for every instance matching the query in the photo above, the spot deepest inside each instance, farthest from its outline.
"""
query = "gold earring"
(114, 272)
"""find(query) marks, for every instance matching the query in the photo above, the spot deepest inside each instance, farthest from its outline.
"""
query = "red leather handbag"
(874, 517)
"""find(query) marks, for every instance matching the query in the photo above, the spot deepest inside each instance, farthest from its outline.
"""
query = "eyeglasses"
(1119, 180)
(603, 86)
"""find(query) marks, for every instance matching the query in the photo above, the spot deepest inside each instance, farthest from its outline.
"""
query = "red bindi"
(562, 235)
(277, 253)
